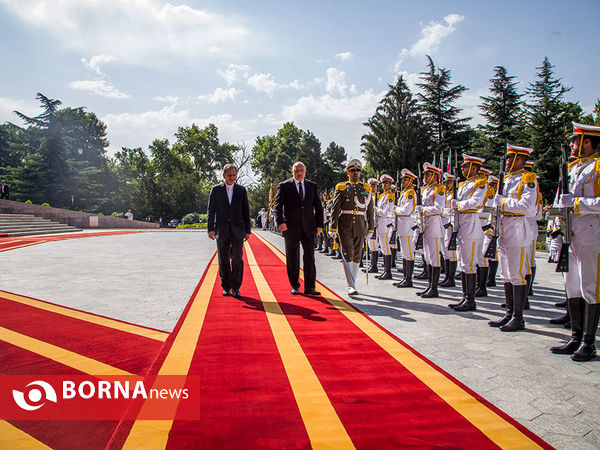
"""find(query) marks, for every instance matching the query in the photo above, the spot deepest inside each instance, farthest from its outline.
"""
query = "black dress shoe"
(226, 293)
(295, 291)
(311, 292)
(235, 293)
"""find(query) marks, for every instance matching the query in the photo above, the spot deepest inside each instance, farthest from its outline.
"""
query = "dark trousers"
(292, 254)
(231, 264)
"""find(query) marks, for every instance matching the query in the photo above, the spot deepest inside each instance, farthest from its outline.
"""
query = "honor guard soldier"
(533, 220)
(487, 228)
(372, 247)
(407, 202)
(352, 220)
(450, 258)
(583, 278)
(469, 240)
(514, 237)
(433, 197)
(483, 270)
(386, 218)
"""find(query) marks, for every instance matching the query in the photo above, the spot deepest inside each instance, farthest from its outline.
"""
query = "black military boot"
(362, 257)
(508, 295)
(517, 323)
(527, 306)
(576, 311)
(421, 263)
(562, 319)
(326, 246)
(423, 275)
(428, 273)
(387, 268)
(491, 281)
(337, 254)
(433, 288)
(469, 303)
(408, 271)
(372, 262)
(587, 350)
(445, 271)
(463, 283)
(403, 271)
(531, 279)
(450, 272)
(394, 256)
(482, 276)
(443, 267)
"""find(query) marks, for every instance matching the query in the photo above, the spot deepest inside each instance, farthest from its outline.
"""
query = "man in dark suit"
(229, 223)
(4, 191)
(299, 216)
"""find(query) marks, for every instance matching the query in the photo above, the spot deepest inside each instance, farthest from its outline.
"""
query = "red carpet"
(274, 371)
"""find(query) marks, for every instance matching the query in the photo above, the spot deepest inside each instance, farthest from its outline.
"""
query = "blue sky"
(146, 67)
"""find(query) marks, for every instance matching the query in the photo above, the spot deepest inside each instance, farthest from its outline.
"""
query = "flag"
(449, 164)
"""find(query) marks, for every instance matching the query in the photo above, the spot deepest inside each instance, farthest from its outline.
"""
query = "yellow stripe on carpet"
(55, 353)
(487, 421)
(154, 434)
(80, 315)
(15, 439)
(324, 427)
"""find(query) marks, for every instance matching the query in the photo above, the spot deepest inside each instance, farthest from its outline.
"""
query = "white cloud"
(30, 108)
(344, 56)
(358, 107)
(235, 72)
(167, 99)
(144, 32)
(95, 61)
(336, 81)
(220, 95)
(431, 38)
(411, 80)
(264, 82)
(99, 87)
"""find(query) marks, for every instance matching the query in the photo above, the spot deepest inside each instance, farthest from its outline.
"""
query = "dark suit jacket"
(228, 221)
(299, 216)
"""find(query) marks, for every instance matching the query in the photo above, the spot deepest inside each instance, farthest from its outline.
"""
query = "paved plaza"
(148, 278)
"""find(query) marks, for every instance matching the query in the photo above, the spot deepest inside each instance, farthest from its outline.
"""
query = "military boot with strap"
(508, 295)
(463, 283)
(449, 280)
(519, 297)
(482, 276)
(372, 263)
(387, 268)
(576, 312)
(408, 271)
(432, 292)
(587, 350)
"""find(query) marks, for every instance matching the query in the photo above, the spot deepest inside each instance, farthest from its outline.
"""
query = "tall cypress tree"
(545, 125)
(397, 137)
(436, 102)
(503, 114)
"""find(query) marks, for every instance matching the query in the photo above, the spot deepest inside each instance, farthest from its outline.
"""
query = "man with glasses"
(352, 220)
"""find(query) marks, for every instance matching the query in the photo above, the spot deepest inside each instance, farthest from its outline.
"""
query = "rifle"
(420, 219)
(563, 258)
(455, 224)
(490, 253)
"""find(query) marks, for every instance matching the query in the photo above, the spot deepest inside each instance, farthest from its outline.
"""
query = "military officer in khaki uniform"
(352, 220)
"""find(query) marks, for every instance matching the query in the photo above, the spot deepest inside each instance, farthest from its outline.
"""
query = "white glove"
(333, 234)
(454, 204)
(566, 201)
(498, 199)
(369, 235)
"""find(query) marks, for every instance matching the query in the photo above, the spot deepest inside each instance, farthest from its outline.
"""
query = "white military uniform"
(372, 243)
(405, 222)
(514, 242)
(385, 221)
(471, 197)
(486, 219)
(583, 277)
(434, 200)
(447, 216)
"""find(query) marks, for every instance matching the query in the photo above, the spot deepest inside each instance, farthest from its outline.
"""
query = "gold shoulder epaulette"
(597, 165)
(571, 164)
(480, 182)
(529, 177)
(367, 187)
(439, 189)
(341, 186)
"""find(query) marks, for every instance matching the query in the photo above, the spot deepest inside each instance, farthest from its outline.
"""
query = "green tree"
(546, 121)
(503, 114)
(398, 136)
(437, 104)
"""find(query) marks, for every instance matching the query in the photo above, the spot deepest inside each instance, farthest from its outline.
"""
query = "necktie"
(301, 191)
